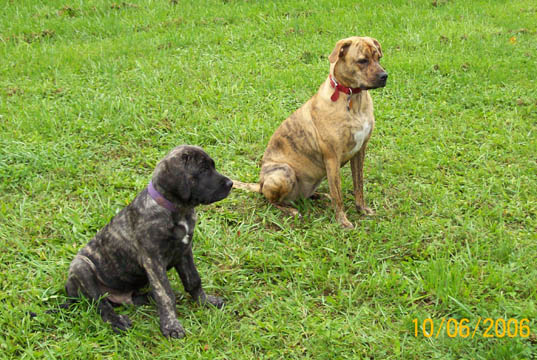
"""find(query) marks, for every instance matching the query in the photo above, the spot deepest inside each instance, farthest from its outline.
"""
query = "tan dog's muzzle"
(382, 78)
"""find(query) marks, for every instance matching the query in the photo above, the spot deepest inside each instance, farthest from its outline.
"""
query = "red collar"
(340, 87)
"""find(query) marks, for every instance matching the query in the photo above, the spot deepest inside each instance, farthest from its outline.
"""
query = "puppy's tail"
(254, 187)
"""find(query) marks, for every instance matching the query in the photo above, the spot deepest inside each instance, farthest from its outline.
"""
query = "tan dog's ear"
(377, 44)
(340, 50)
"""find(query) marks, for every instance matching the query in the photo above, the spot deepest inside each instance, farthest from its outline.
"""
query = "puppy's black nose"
(383, 76)
(228, 183)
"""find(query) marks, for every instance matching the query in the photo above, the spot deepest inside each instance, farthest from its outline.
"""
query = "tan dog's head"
(354, 62)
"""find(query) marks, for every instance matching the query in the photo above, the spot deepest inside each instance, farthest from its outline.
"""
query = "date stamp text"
(487, 328)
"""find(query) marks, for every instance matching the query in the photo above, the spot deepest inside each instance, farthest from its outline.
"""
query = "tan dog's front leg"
(334, 183)
(357, 169)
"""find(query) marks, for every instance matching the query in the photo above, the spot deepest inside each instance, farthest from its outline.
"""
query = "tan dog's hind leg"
(357, 170)
(334, 183)
(278, 185)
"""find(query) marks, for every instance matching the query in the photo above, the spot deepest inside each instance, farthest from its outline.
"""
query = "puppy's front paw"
(172, 329)
(214, 301)
(119, 322)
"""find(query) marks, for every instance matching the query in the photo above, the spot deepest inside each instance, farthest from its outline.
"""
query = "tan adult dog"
(330, 129)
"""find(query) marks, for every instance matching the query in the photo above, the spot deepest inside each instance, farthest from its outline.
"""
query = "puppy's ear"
(182, 187)
(342, 46)
(377, 44)
(174, 181)
(181, 184)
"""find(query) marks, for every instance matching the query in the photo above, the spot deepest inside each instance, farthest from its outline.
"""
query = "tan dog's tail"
(254, 187)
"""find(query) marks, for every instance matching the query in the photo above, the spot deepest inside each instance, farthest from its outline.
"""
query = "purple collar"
(161, 200)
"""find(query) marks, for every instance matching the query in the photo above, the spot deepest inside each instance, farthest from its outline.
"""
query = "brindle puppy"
(148, 237)
(325, 133)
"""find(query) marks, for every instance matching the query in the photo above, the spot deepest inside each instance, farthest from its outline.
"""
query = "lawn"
(94, 93)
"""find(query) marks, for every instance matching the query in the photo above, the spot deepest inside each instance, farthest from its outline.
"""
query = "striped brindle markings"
(325, 133)
(145, 239)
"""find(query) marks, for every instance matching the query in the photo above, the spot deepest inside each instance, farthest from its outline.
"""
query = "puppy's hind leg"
(82, 280)
(278, 184)
(142, 298)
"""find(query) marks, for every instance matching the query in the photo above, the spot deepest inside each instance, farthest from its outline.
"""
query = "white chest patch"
(184, 240)
(359, 138)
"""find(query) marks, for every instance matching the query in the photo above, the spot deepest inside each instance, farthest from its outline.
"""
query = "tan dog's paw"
(365, 210)
(342, 219)
(288, 210)
(319, 196)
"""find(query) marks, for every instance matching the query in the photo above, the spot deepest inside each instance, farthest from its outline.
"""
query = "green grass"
(94, 93)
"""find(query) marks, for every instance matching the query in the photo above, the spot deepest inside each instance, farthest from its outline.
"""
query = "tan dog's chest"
(353, 133)
(357, 136)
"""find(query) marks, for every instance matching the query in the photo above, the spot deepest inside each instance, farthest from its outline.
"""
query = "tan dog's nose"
(383, 76)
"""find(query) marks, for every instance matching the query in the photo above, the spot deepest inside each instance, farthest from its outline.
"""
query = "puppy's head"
(354, 62)
(187, 176)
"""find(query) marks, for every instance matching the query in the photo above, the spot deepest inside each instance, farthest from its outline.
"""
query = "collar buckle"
(338, 87)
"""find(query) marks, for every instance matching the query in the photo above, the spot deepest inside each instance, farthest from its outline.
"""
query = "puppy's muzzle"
(225, 187)
(228, 184)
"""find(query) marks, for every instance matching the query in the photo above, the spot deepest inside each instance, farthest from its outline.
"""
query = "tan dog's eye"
(363, 61)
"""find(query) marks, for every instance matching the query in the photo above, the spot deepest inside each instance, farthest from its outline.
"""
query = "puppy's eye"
(362, 61)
